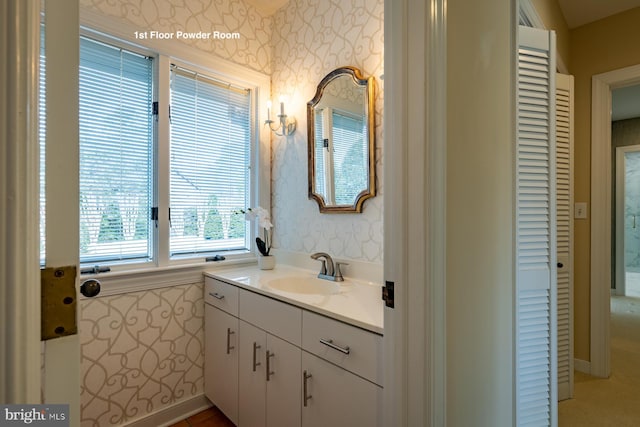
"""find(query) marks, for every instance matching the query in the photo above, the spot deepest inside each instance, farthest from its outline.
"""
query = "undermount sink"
(304, 285)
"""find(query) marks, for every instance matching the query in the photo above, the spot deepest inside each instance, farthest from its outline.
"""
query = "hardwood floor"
(212, 417)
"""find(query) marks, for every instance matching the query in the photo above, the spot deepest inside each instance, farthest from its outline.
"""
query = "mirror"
(341, 141)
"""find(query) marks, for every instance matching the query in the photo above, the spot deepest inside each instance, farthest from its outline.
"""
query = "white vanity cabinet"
(221, 360)
(270, 363)
(269, 376)
(342, 374)
(270, 388)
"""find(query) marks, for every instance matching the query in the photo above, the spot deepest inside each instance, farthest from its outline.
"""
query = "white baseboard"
(583, 366)
(174, 413)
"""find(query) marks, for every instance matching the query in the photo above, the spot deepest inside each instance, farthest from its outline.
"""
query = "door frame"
(621, 281)
(418, 265)
(19, 244)
(601, 180)
(415, 169)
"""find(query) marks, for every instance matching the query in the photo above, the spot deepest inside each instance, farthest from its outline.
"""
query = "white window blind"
(319, 157)
(115, 153)
(210, 159)
(350, 161)
(42, 126)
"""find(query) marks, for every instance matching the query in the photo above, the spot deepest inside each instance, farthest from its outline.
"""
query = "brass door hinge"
(59, 302)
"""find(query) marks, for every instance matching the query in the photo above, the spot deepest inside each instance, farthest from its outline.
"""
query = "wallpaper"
(310, 39)
(143, 351)
(140, 352)
(251, 49)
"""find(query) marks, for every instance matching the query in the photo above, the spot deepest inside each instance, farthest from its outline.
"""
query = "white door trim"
(62, 49)
(601, 86)
(19, 200)
(414, 206)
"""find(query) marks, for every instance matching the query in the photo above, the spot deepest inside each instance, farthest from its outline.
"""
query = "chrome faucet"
(327, 269)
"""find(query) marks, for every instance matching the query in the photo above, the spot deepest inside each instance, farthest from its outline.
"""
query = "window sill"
(145, 279)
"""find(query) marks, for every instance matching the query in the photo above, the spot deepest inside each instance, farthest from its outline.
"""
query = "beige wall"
(480, 258)
(602, 46)
(550, 13)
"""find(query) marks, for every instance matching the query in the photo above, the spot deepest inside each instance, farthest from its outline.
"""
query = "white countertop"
(357, 302)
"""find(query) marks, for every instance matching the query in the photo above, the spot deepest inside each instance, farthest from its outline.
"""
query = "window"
(349, 148)
(207, 139)
(210, 131)
(115, 153)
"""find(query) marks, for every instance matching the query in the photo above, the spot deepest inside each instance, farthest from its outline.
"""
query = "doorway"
(627, 217)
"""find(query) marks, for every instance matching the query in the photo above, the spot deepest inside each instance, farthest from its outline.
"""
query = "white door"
(62, 38)
(536, 341)
(564, 201)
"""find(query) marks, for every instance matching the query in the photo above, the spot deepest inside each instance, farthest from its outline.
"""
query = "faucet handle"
(338, 273)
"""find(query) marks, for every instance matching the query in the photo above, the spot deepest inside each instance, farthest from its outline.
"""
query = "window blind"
(209, 172)
(350, 159)
(115, 153)
(42, 127)
(319, 157)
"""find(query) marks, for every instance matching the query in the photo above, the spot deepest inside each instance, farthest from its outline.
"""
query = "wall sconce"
(286, 126)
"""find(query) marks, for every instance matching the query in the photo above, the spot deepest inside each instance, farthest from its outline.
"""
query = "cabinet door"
(221, 361)
(252, 368)
(283, 385)
(337, 398)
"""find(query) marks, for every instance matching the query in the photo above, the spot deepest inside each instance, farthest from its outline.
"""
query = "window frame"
(164, 53)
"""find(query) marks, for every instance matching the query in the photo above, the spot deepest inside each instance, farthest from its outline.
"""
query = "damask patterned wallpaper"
(252, 49)
(140, 352)
(143, 351)
(310, 39)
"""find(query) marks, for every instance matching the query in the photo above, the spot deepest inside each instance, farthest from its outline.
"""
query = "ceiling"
(625, 101)
(581, 12)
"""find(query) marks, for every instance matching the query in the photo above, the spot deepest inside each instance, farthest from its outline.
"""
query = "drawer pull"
(255, 359)
(329, 343)
(216, 295)
(269, 371)
(305, 378)
(229, 346)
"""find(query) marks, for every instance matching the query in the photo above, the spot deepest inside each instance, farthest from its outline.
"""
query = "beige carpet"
(614, 401)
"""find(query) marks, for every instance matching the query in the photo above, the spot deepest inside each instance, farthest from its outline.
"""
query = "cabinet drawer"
(221, 295)
(277, 318)
(351, 348)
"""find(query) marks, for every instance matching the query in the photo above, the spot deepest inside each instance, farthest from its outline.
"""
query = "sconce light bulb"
(269, 104)
(281, 99)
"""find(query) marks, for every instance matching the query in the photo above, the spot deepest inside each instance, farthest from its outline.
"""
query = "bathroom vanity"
(284, 348)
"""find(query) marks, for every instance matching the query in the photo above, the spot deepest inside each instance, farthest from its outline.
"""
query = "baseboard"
(583, 366)
(174, 413)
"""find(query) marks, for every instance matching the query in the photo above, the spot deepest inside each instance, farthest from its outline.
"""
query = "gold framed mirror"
(341, 141)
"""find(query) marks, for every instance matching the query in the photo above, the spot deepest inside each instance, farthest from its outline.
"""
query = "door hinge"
(58, 304)
(154, 108)
(388, 294)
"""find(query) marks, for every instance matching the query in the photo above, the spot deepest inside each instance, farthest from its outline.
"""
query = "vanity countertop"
(356, 302)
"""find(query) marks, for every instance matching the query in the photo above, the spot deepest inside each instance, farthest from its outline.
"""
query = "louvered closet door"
(564, 199)
(536, 342)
